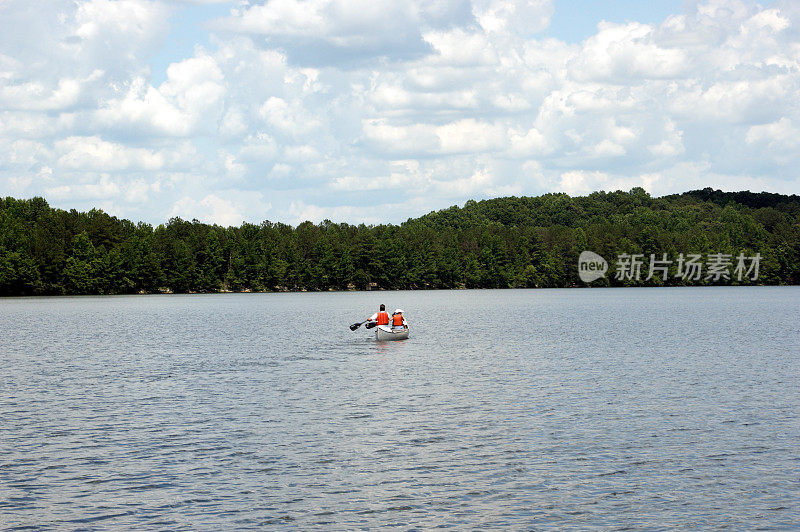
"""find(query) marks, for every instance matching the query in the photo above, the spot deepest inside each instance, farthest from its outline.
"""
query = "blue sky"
(576, 20)
(188, 28)
(375, 110)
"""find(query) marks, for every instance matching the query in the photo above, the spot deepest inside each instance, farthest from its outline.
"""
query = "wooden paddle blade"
(355, 326)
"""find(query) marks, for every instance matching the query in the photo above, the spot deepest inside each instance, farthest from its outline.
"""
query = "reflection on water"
(639, 408)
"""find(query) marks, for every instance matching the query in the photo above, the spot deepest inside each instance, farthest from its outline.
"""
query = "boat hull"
(385, 333)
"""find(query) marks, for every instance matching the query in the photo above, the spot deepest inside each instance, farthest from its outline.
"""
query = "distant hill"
(561, 209)
(496, 243)
(754, 200)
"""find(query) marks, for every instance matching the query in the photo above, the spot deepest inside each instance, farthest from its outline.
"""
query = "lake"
(673, 408)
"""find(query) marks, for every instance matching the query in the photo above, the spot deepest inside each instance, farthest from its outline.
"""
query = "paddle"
(355, 326)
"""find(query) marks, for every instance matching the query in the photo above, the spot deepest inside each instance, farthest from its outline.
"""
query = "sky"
(374, 111)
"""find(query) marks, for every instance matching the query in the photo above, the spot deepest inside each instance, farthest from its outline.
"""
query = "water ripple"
(608, 409)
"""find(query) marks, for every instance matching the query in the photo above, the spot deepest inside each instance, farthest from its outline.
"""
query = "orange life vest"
(397, 320)
(383, 318)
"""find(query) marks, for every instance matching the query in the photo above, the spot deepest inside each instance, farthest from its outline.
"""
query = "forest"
(512, 242)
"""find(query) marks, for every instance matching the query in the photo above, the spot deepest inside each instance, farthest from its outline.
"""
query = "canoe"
(384, 332)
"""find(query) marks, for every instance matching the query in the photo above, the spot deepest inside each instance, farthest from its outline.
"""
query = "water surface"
(537, 409)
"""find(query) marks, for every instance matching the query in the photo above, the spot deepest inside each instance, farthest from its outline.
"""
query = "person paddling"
(381, 317)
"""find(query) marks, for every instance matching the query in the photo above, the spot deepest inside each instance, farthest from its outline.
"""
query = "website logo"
(591, 266)
(717, 267)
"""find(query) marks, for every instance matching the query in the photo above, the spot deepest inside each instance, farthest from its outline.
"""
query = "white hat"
(398, 311)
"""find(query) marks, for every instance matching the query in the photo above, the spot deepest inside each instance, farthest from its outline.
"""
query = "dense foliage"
(505, 242)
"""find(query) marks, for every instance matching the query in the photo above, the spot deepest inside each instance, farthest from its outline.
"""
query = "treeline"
(499, 243)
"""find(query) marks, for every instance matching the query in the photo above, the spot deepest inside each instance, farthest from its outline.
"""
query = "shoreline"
(302, 291)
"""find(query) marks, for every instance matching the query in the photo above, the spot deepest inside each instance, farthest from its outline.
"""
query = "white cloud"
(93, 153)
(482, 183)
(413, 139)
(337, 29)
(529, 143)
(103, 188)
(608, 148)
(460, 47)
(745, 101)
(23, 152)
(233, 123)
(288, 118)
(517, 17)
(781, 133)
(118, 18)
(626, 52)
(671, 141)
(309, 103)
(211, 208)
(189, 102)
(139, 191)
(581, 182)
(470, 136)
(463, 136)
(214, 208)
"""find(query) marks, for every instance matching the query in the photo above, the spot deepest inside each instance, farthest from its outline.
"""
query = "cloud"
(211, 209)
(226, 208)
(315, 31)
(55, 39)
(378, 111)
(782, 134)
(581, 182)
(463, 136)
(64, 94)
(741, 101)
(523, 18)
(300, 211)
(470, 136)
(627, 53)
(288, 118)
(93, 153)
(105, 187)
(189, 102)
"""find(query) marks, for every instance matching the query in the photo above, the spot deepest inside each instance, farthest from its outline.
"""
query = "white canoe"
(384, 332)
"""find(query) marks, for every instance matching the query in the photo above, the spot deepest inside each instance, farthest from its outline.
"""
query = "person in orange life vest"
(398, 321)
(381, 317)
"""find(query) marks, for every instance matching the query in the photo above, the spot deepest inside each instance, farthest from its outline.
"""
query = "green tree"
(81, 269)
